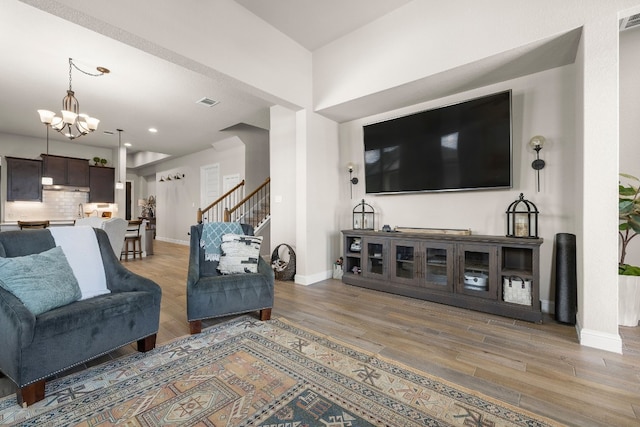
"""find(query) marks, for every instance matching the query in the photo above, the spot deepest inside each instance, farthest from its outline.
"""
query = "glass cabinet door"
(477, 271)
(438, 266)
(375, 258)
(425, 265)
(405, 261)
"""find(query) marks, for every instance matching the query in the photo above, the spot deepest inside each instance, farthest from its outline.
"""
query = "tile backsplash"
(55, 206)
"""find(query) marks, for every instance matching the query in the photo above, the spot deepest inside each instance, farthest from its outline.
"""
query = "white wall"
(317, 202)
(283, 159)
(256, 142)
(630, 117)
(406, 46)
(177, 201)
(597, 317)
(542, 105)
(305, 172)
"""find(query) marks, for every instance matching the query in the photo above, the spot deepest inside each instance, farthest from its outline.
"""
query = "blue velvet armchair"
(211, 294)
(36, 346)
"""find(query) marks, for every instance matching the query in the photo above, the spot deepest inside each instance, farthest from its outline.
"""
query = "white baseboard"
(179, 242)
(314, 278)
(599, 340)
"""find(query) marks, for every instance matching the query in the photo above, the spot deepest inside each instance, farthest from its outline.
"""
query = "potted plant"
(103, 162)
(628, 228)
(96, 161)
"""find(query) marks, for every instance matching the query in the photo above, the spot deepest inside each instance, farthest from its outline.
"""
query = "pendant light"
(47, 180)
(120, 184)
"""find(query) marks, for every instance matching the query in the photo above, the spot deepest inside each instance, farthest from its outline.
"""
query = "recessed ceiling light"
(153, 130)
(127, 144)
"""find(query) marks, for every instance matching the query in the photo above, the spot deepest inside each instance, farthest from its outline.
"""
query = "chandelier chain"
(72, 65)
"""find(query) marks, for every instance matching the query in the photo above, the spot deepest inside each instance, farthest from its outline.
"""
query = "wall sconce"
(162, 178)
(536, 143)
(352, 179)
(178, 176)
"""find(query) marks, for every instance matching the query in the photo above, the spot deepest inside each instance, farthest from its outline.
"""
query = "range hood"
(72, 188)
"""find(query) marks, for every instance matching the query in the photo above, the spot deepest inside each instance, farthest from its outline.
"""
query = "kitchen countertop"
(52, 222)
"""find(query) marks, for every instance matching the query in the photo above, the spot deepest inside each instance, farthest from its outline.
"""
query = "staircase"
(253, 209)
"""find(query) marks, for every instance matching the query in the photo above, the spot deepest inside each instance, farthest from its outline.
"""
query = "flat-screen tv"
(465, 146)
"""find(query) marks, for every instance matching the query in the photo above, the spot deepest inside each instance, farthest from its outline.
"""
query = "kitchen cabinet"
(24, 179)
(66, 170)
(101, 184)
(493, 274)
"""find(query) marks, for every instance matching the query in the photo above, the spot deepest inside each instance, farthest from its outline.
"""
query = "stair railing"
(254, 208)
(215, 211)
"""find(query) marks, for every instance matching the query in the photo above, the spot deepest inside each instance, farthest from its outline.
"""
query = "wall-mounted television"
(465, 146)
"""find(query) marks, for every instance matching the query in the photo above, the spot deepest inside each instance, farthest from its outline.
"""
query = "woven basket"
(287, 270)
(516, 290)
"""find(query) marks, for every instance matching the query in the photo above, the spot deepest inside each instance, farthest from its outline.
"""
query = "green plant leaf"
(627, 191)
(625, 206)
(631, 177)
(635, 226)
(628, 270)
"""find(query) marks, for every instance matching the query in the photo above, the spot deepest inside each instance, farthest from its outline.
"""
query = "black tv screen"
(465, 146)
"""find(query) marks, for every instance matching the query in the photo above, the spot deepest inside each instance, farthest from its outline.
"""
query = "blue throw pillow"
(239, 254)
(41, 281)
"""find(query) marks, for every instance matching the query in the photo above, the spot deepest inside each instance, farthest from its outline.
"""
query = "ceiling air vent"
(630, 22)
(207, 102)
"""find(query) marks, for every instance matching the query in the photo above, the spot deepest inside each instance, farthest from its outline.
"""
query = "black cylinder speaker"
(566, 278)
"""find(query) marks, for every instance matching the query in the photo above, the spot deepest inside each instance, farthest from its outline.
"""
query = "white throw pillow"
(239, 254)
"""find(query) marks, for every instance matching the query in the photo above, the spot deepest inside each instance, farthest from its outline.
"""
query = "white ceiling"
(315, 23)
(35, 47)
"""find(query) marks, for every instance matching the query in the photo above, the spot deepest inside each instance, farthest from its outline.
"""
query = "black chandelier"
(72, 124)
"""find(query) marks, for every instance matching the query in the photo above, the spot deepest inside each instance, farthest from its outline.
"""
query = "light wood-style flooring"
(538, 367)
(541, 368)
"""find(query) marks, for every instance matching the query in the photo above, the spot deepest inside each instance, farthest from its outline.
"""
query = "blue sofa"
(211, 294)
(35, 347)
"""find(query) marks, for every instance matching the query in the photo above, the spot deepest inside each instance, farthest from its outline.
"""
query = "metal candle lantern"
(363, 216)
(522, 219)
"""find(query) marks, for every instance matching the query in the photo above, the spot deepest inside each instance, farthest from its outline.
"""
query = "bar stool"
(133, 238)
(32, 224)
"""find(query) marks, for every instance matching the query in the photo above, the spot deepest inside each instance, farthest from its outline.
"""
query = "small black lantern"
(363, 216)
(522, 219)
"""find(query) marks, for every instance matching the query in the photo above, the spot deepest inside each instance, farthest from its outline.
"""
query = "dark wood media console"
(492, 274)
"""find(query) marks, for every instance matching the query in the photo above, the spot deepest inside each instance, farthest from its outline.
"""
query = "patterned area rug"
(250, 373)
